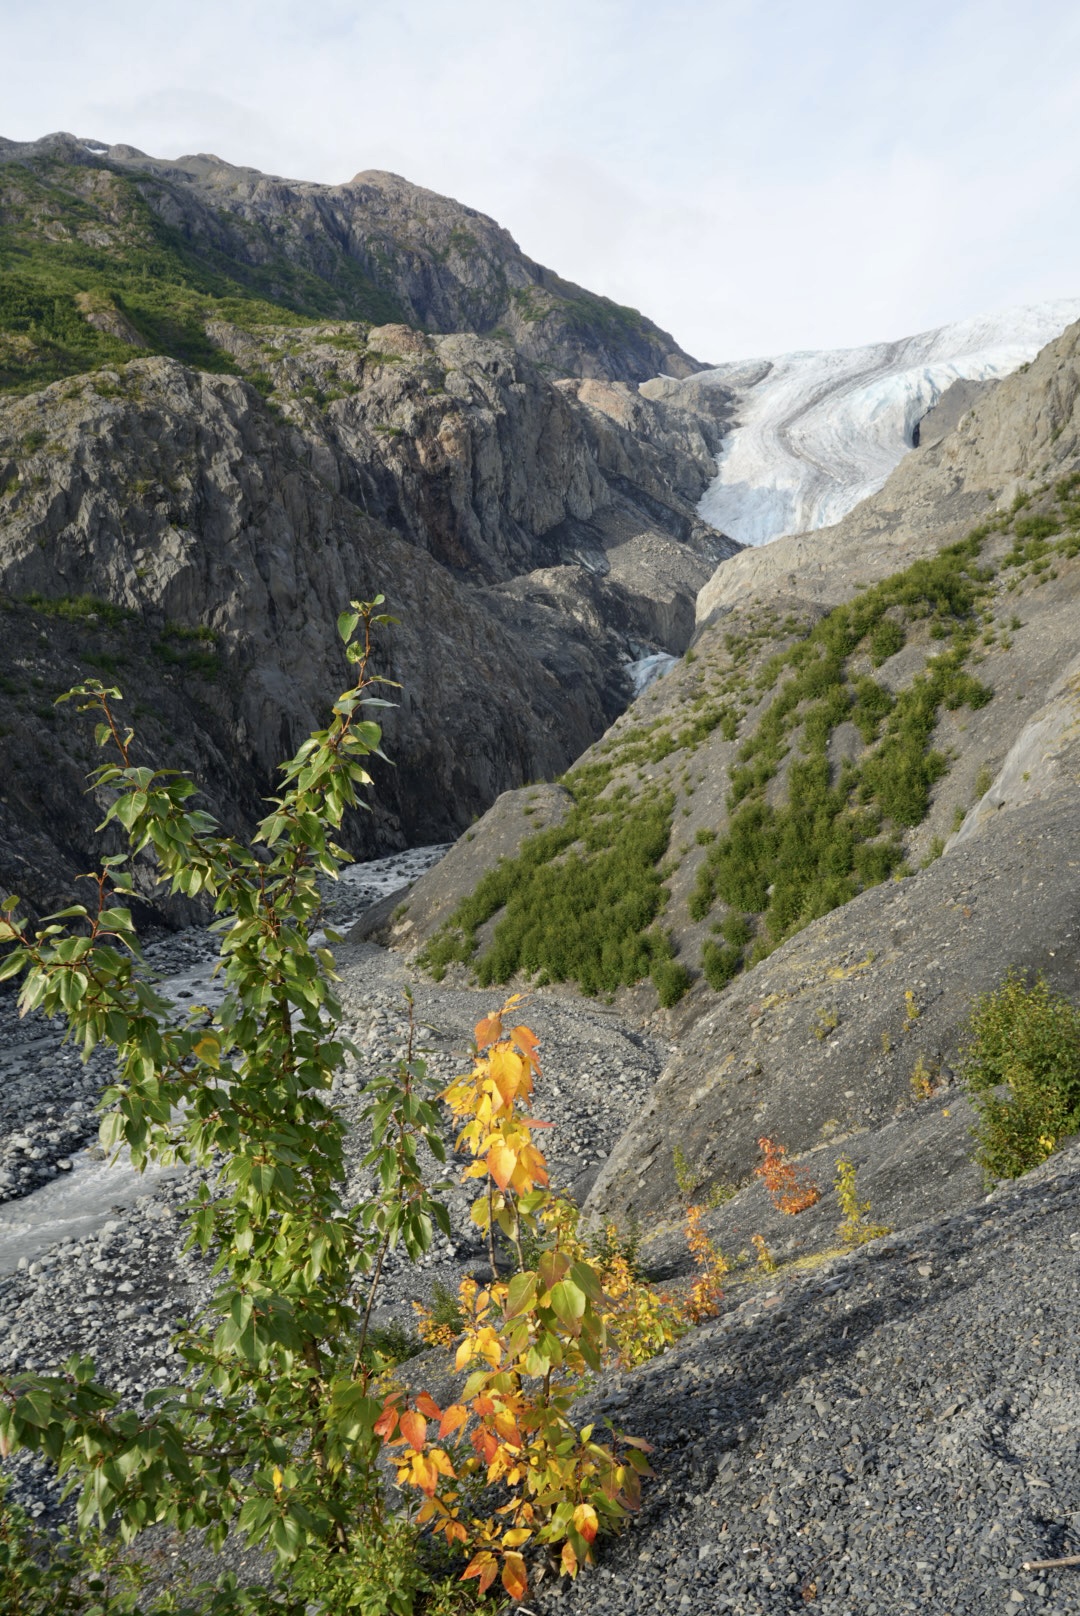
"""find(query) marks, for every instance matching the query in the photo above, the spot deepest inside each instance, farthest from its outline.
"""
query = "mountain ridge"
(396, 250)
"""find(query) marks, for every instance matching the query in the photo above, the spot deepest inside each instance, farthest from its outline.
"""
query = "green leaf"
(346, 625)
(521, 1294)
(568, 1301)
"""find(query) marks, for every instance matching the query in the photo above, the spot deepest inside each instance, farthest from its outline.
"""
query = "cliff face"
(223, 535)
(374, 248)
(538, 535)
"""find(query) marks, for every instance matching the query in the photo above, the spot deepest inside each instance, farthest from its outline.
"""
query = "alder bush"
(1021, 1065)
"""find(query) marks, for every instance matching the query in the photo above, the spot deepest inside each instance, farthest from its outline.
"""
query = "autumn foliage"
(527, 1341)
(703, 1301)
(792, 1189)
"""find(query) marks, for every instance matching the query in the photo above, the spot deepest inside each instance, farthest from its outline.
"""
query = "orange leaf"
(586, 1522)
(514, 1578)
(528, 1043)
(414, 1429)
(484, 1566)
(488, 1030)
(427, 1405)
(453, 1419)
(568, 1561)
(485, 1444)
(384, 1425)
(501, 1164)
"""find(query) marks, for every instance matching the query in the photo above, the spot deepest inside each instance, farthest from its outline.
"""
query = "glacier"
(817, 432)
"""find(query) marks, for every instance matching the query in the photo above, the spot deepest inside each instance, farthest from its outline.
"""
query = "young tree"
(273, 1431)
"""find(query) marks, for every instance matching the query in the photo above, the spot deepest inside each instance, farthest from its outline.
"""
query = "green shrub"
(671, 981)
(887, 638)
(720, 964)
(1021, 1065)
(579, 899)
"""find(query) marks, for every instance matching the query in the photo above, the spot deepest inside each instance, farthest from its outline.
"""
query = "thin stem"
(491, 1233)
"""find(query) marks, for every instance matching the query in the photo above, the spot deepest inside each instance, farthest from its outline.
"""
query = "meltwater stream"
(92, 1190)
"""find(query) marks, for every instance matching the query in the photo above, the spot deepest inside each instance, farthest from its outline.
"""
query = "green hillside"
(89, 274)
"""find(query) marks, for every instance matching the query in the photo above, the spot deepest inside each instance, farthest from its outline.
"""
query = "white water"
(818, 432)
(82, 1200)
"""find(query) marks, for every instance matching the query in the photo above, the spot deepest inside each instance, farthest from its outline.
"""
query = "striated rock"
(179, 499)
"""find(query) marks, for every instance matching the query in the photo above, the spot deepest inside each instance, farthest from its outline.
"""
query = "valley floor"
(890, 1430)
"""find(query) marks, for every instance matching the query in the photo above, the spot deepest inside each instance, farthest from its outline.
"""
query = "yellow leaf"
(501, 1164)
(568, 1561)
(508, 1073)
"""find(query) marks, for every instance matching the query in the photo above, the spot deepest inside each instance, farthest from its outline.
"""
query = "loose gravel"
(892, 1430)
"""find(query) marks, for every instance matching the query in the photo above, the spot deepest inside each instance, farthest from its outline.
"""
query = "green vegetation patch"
(79, 609)
(84, 258)
(193, 651)
(1021, 1065)
(579, 901)
(789, 863)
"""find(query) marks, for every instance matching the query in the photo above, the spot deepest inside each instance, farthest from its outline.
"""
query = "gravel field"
(896, 1431)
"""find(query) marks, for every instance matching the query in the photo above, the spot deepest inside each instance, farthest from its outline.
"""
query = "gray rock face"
(385, 249)
(539, 544)
(179, 499)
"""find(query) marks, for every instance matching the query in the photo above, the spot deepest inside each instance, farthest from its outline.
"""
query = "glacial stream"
(87, 1193)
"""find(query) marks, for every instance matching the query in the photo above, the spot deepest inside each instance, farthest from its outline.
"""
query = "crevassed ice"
(819, 431)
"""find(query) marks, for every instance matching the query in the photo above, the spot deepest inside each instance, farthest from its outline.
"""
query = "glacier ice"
(817, 432)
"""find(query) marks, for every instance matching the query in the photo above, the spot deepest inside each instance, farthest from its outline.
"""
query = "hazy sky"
(755, 175)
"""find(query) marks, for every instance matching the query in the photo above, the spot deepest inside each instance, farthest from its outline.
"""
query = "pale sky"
(755, 175)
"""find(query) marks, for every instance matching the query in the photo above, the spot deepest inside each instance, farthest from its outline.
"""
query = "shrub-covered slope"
(101, 246)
